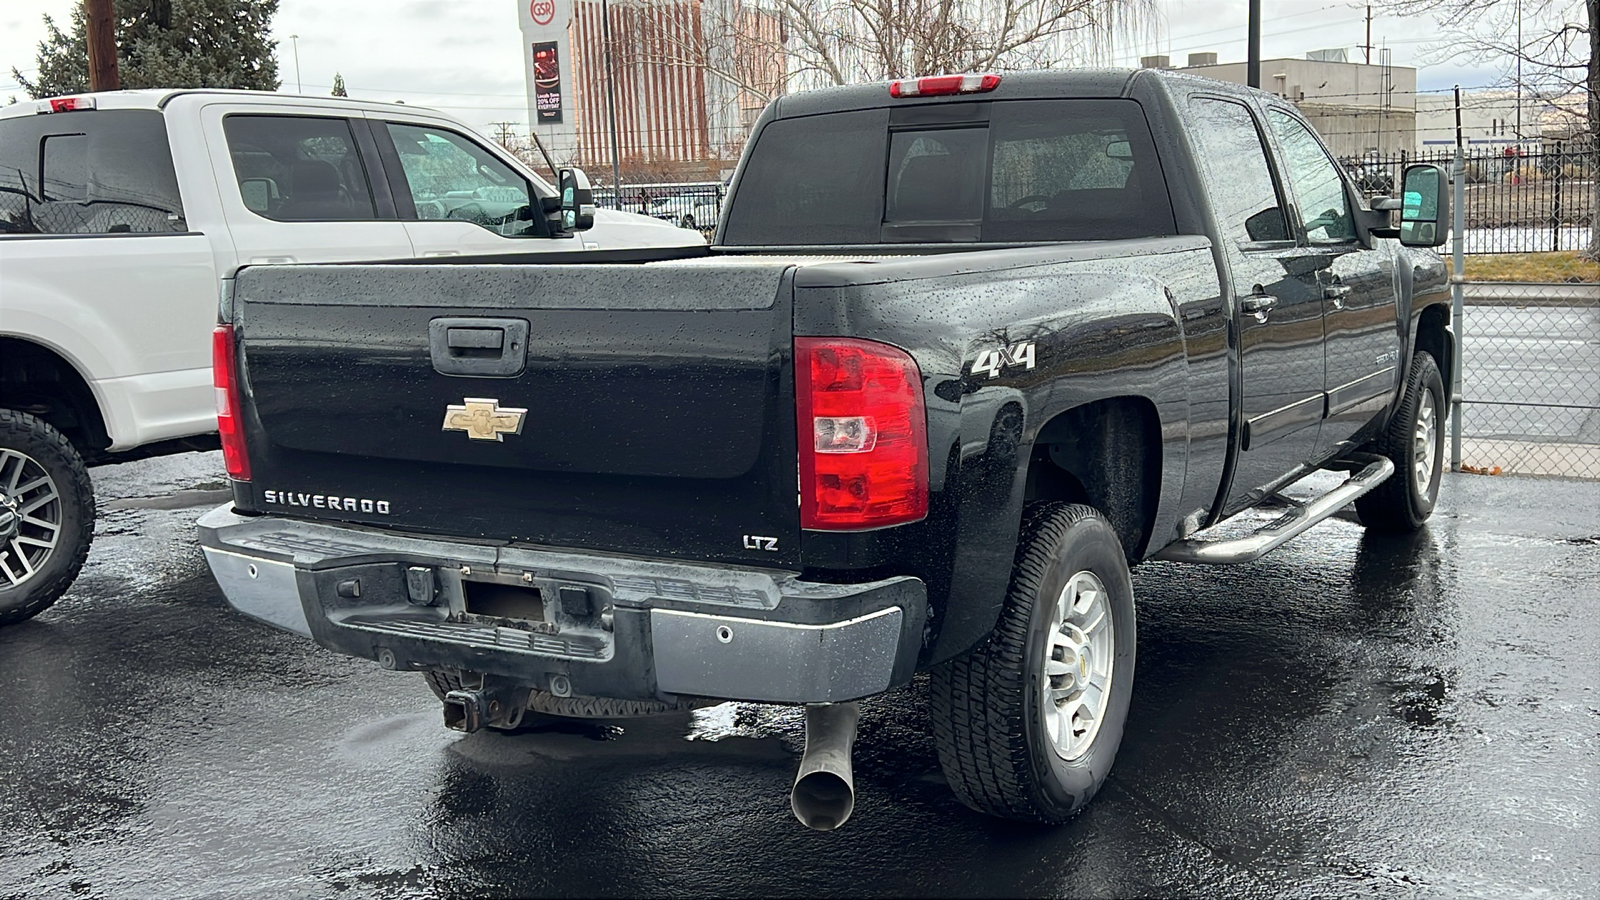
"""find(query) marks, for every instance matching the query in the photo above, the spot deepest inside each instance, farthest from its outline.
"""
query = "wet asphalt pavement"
(1351, 715)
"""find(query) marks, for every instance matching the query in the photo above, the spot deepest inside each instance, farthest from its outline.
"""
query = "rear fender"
(1001, 354)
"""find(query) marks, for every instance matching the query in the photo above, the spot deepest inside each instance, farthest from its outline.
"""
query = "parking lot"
(1353, 714)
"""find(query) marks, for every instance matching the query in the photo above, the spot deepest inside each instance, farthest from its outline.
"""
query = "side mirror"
(577, 200)
(1424, 206)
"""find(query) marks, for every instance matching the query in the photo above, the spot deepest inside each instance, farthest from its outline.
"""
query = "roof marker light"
(66, 104)
(943, 85)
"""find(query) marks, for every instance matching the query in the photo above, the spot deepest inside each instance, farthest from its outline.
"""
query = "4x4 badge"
(483, 419)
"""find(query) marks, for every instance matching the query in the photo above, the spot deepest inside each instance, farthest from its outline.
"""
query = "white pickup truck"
(121, 214)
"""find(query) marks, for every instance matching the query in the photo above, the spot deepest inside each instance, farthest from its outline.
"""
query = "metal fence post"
(1555, 206)
(1458, 179)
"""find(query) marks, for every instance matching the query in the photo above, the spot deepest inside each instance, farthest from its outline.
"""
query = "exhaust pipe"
(824, 790)
(464, 710)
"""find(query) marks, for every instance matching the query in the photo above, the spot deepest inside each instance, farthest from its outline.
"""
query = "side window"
(1237, 173)
(90, 172)
(1324, 202)
(451, 177)
(298, 168)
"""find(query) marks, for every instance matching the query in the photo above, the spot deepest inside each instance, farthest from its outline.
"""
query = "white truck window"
(299, 168)
(88, 172)
(451, 177)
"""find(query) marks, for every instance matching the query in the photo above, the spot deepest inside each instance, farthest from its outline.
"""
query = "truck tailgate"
(630, 408)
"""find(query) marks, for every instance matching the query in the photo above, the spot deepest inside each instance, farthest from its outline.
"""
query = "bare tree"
(1550, 49)
(845, 41)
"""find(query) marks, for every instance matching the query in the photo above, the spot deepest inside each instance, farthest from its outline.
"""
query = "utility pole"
(102, 34)
(1519, 72)
(1252, 66)
(1367, 47)
(503, 135)
(294, 41)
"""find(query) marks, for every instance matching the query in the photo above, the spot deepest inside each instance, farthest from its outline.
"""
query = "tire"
(991, 725)
(1414, 442)
(686, 222)
(46, 515)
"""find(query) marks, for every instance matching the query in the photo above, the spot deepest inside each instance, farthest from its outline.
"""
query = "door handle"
(496, 348)
(1335, 293)
(1258, 304)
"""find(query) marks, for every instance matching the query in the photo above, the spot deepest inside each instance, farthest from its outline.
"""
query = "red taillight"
(863, 434)
(943, 85)
(225, 378)
(67, 104)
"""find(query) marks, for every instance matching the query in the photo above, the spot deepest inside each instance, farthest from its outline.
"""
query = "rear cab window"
(1013, 171)
(299, 168)
(86, 172)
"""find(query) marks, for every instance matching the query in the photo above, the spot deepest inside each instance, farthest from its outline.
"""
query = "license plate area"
(498, 599)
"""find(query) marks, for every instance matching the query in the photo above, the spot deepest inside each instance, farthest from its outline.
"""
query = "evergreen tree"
(166, 43)
(338, 86)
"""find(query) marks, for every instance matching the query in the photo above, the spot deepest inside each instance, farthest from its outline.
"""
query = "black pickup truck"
(965, 349)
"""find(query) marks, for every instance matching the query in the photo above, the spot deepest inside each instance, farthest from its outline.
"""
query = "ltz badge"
(483, 419)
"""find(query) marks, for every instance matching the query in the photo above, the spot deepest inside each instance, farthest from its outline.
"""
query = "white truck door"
(301, 185)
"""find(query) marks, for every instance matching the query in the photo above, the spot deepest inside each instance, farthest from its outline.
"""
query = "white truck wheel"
(46, 515)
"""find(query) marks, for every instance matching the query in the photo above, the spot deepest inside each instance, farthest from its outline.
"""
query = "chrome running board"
(1300, 517)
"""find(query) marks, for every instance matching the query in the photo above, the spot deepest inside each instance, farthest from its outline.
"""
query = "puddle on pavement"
(1422, 701)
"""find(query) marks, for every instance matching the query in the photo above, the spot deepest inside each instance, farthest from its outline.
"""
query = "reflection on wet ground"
(1353, 714)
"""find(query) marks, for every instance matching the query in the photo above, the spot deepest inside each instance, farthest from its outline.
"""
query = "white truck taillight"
(230, 427)
(65, 104)
(866, 462)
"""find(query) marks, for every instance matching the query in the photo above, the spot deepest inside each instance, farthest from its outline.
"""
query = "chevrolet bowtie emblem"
(483, 420)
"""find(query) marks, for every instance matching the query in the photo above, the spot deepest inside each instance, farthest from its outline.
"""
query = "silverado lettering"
(324, 501)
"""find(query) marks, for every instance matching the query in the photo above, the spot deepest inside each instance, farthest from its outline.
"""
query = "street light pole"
(611, 107)
(294, 41)
(1252, 66)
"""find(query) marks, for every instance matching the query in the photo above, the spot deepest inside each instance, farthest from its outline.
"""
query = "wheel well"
(1433, 338)
(1106, 454)
(37, 380)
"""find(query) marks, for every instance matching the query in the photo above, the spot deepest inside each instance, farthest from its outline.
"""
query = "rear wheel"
(687, 221)
(46, 515)
(1414, 442)
(1028, 722)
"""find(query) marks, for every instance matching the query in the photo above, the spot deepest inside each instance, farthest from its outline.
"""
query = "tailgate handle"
(481, 348)
(475, 338)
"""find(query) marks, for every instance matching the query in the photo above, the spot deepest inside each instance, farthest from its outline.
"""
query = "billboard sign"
(546, 83)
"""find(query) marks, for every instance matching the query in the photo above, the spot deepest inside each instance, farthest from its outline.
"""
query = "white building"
(1496, 120)
(1357, 108)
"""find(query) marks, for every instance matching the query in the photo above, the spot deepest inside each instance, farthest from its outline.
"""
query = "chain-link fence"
(1530, 378)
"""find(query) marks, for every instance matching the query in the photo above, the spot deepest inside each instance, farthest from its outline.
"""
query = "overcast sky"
(464, 56)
